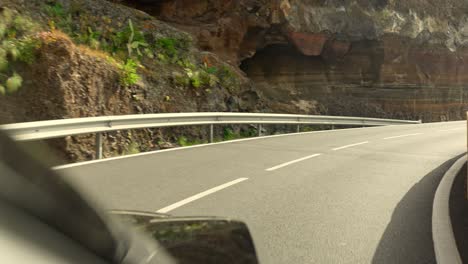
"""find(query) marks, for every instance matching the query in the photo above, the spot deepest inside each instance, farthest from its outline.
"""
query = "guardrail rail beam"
(40, 130)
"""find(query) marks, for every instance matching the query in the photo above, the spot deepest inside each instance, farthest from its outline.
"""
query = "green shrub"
(13, 83)
(23, 24)
(27, 50)
(208, 80)
(23, 50)
(227, 78)
(211, 70)
(181, 79)
(66, 25)
(195, 80)
(194, 77)
(182, 141)
(136, 41)
(122, 37)
(183, 43)
(132, 40)
(249, 132)
(129, 74)
(3, 29)
(90, 38)
(308, 129)
(186, 64)
(16, 44)
(132, 148)
(3, 60)
(229, 134)
(59, 17)
(10, 46)
(3, 64)
(55, 10)
(163, 58)
(174, 49)
(168, 46)
(226, 72)
(6, 17)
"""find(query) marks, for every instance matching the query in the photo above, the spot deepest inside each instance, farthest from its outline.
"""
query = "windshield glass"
(325, 126)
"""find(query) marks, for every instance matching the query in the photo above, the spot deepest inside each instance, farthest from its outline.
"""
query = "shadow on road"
(408, 236)
(459, 214)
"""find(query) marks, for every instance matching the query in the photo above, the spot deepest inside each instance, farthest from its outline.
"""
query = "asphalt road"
(343, 196)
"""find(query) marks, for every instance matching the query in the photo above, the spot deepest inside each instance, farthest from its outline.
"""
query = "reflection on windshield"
(199, 240)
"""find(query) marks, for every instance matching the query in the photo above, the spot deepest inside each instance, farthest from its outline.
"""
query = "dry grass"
(53, 36)
(97, 54)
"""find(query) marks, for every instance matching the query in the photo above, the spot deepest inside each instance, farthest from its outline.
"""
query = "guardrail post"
(98, 146)
(211, 133)
(333, 127)
(259, 130)
(298, 128)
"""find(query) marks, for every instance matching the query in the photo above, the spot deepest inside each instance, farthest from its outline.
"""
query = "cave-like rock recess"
(397, 59)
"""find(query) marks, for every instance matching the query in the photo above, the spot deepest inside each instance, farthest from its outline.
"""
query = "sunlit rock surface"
(382, 58)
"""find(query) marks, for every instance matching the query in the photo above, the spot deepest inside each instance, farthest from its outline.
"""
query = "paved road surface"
(344, 196)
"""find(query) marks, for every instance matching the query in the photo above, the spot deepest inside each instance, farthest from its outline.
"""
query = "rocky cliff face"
(380, 58)
(377, 58)
(77, 65)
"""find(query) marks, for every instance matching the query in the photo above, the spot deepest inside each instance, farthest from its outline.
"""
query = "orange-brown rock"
(309, 44)
(372, 58)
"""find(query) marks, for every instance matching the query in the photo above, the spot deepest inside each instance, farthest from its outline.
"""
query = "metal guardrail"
(77, 126)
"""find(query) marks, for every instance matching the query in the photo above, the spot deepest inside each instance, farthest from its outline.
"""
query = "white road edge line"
(352, 145)
(199, 196)
(66, 166)
(445, 245)
(292, 162)
(408, 135)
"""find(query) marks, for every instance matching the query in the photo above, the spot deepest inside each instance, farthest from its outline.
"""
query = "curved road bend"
(344, 196)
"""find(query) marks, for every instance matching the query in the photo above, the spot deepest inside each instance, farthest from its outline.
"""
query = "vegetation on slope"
(17, 44)
(135, 46)
(78, 58)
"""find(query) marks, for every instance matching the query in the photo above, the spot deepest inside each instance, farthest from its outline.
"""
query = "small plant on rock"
(227, 78)
(132, 148)
(59, 17)
(91, 38)
(17, 43)
(136, 42)
(182, 141)
(181, 79)
(208, 79)
(27, 49)
(13, 83)
(132, 40)
(129, 74)
(3, 60)
(229, 134)
(168, 45)
(55, 9)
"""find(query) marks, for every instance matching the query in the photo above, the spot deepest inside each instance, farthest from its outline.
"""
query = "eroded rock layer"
(381, 58)
(364, 83)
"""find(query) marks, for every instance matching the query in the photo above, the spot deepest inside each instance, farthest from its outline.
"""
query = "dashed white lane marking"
(401, 136)
(352, 145)
(200, 195)
(446, 130)
(61, 167)
(292, 162)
